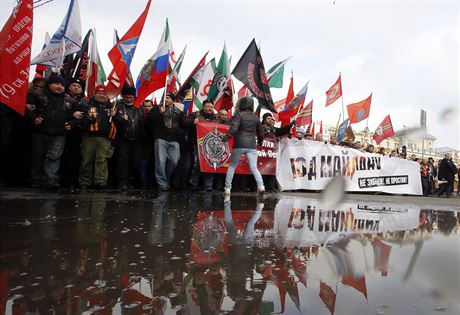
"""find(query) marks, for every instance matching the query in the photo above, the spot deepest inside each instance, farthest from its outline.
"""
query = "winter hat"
(56, 79)
(171, 95)
(128, 90)
(75, 80)
(245, 103)
(100, 89)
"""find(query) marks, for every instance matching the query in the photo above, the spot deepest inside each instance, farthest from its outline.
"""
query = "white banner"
(301, 222)
(69, 32)
(305, 164)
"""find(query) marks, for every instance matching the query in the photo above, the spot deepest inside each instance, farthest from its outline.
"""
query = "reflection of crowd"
(114, 274)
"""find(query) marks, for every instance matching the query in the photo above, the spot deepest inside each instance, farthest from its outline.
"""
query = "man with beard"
(96, 142)
(50, 121)
(130, 131)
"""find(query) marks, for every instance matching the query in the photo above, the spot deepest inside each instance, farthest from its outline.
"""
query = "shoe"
(226, 198)
(84, 187)
(164, 188)
(227, 191)
(261, 190)
(209, 189)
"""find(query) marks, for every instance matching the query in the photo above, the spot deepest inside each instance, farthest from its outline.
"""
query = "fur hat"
(128, 90)
(75, 80)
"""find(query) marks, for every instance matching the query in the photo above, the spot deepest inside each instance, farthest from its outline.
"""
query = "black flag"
(250, 71)
(78, 68)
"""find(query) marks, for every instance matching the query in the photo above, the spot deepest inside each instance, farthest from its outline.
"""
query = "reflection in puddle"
(195, 254)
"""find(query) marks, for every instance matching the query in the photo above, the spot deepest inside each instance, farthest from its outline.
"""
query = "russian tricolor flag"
(153, 74)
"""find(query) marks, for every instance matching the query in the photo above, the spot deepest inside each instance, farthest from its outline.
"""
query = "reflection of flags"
(250, 71)
(276, 73)
(69, 31)
(153, 74)
(327, 295)
(334, 92)
(305, 114)
(122, 54)
(341, 130)
(359, 283)
(359, 111)
(384, 130)
(381, 256)
(15, 49)
(293, 106)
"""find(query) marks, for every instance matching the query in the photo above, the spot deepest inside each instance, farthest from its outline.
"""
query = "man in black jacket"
(96, 143)
(166, 120)
(130, 132)
(50, 117)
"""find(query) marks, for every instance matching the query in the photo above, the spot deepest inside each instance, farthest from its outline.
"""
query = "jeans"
(167, 154)
(46, 158)
(251, 155)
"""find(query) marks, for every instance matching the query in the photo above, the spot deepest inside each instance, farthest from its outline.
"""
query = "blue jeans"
(167, 154)
(251, 155)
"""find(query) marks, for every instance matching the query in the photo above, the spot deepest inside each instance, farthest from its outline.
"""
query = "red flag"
(359, 111)
(243, 92)
(122, 54)
(359, 283)
(308, 131)
(327, 295)
(334, 92)
(313, 130)
(305, 115)
(384, 130)
(290, 94)
(186, 85)
(15, 48)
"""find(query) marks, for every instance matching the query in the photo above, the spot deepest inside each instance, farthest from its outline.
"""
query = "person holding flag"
(246, 126)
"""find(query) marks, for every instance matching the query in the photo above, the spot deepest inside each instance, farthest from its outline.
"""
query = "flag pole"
(337, 125)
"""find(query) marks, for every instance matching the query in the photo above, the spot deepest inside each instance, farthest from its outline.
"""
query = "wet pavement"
(196, 253)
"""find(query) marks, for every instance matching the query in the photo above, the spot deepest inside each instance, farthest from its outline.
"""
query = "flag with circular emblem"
(334, 92)
(359, 111)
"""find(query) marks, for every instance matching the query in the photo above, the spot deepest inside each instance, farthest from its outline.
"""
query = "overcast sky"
(404, 52)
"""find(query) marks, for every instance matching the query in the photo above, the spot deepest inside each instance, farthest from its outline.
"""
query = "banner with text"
(305, 164)
(215, 157)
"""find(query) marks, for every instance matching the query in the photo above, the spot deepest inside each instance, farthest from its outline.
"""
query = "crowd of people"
(67, 140)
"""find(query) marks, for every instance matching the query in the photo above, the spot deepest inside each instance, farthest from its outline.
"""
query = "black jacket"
(131, 129)
(166, 125)
(96, 119)
(54, 110)
(245, 127)
(277, 132)
(447, 170)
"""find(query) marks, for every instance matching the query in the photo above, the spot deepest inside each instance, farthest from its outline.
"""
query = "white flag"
(70, 31)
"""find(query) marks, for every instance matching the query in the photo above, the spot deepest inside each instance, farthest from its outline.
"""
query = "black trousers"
(128, 160)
